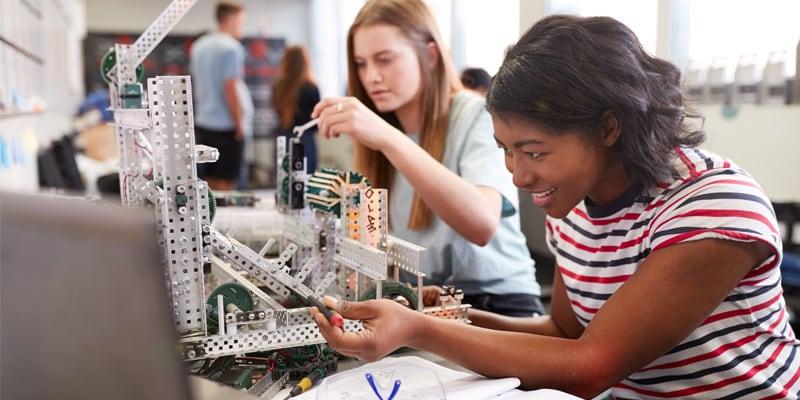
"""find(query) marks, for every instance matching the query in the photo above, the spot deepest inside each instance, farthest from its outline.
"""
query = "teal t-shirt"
(216, 57)
(504, 265)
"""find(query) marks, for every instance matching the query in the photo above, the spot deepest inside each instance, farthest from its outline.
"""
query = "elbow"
(483, 233)
(594, 372)
(602, 374)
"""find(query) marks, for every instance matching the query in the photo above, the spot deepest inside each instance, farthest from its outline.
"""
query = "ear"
(434, 53)
(610, 129)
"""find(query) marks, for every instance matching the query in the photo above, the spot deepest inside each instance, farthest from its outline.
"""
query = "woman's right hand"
(387, 327)
(348, 115)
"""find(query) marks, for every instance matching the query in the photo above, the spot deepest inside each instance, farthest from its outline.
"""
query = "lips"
(543, 199)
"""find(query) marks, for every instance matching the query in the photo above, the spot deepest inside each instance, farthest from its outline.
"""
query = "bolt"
(206, 228)
(180, 189)
(191, 354)
(181, 210)
(184, 240)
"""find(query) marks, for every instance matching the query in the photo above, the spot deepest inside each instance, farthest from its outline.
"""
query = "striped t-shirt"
(745, 348)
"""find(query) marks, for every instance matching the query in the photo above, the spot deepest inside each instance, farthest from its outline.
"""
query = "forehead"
(371, 39)
(510, 130)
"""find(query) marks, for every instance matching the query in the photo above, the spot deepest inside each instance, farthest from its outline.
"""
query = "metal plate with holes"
(361, 258)
(405, 255)
(373, 218)
(173, 148)
(293, 335)
(297, 232)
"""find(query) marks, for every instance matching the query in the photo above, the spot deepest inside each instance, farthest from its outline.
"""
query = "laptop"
(84, 312)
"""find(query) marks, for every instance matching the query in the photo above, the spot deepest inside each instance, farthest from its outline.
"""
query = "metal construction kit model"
(333, 238)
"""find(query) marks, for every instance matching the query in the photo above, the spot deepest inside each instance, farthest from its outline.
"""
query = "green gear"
(232, 293)
(109, 61)
(393, 289)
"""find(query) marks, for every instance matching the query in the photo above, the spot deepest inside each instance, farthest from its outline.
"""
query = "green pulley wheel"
(109, 61)
(232, 293)
(392, 290)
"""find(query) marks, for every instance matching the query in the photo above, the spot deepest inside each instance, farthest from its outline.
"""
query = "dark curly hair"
(573, 73)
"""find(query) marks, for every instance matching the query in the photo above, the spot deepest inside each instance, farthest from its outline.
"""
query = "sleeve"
(718, 206)
(233, 64)
(482, 162)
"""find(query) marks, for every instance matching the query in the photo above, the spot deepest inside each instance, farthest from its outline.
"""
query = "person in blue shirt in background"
(222, 104)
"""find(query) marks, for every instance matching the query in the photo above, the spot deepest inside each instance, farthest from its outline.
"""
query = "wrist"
(394, 143)
(420, 326)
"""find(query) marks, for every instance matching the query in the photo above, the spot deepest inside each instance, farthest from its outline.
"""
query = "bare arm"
(561, 321)
(472, 211)
(627, 333)
(234, 108)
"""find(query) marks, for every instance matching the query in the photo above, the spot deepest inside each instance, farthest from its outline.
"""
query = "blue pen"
(374, 387)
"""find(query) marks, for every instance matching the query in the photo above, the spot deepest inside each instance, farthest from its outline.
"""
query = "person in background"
(420, 135)
(222, 103)
(667, 282)
(476, 80)
(294, 95)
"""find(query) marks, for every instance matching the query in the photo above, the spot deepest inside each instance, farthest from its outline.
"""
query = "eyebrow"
(520, 143)
(378, 54)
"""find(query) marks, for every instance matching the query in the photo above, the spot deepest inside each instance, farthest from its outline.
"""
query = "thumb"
(354, 310)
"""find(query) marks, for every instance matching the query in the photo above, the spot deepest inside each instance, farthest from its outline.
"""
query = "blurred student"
(476, 80)
(222, 103)
(294, 95)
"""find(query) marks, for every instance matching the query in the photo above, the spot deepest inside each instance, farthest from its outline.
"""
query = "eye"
(384, 60)
(506, 151)
(360, 64)
(533, 156)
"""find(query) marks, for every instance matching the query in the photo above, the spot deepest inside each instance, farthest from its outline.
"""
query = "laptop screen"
(83, 303)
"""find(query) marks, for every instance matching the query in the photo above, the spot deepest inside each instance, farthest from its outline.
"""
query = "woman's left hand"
(348, 115)
(386, 326)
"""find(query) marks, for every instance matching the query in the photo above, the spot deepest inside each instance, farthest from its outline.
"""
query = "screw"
(180, 189)
(181, 210)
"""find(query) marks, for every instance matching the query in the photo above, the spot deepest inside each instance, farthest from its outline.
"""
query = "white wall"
(272, 18)
(762, 139)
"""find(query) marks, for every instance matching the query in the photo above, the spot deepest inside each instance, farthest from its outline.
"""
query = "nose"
(372, 73)
(522, 173)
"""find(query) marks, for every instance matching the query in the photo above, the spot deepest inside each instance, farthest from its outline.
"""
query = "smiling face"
(560, 170)
(388, 66)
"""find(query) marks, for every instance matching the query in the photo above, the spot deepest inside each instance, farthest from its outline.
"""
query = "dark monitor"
(84, 312)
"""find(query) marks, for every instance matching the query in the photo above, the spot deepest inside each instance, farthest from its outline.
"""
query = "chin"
(384, 106)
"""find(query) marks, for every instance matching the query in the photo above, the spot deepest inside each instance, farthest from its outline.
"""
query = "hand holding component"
(387, 326)
(334, 318)
(338, 115)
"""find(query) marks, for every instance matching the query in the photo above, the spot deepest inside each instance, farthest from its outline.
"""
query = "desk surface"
(205, 389)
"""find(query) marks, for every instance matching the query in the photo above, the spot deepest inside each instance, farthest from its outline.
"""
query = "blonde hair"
(294, 72)
(439, 84)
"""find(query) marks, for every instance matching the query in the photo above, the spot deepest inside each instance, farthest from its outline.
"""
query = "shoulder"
(309, 88)
(467, 110)
(465, 103)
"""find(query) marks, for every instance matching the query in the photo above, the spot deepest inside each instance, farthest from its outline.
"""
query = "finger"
(336, 124)
(357, 310)
(326, 103)
(343, 342)
(340, 128)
